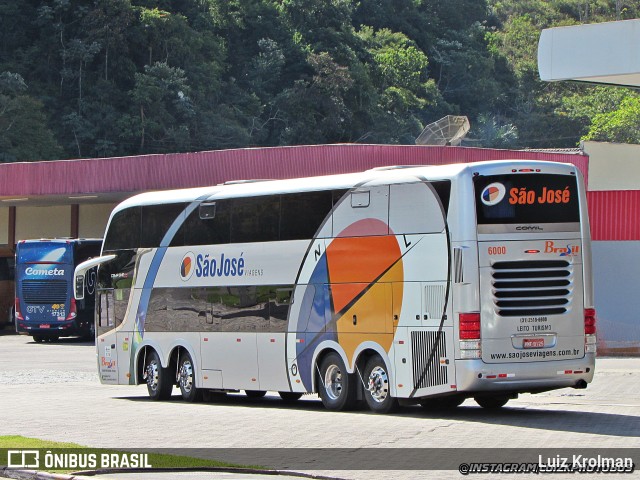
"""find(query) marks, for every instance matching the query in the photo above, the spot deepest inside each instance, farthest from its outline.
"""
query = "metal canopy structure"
(602, 53)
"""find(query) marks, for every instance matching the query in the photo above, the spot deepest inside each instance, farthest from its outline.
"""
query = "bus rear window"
(527, 199)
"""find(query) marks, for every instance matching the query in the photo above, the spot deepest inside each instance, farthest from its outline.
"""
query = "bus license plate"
(45, 326)
(533, 343)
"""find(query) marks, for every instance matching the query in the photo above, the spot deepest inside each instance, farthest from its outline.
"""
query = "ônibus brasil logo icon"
(187, 266)
(493, 194)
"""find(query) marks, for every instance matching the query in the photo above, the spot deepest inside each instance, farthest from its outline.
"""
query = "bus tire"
(290, 396)
(444, 403)
(187, 379)
(336, 387)
(255, 393)
(90, 333)
(492, 403)
(159, 382)
(377, 391)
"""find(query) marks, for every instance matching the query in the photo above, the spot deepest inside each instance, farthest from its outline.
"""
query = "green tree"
(24, 134)
(621, 125)
(161, 95)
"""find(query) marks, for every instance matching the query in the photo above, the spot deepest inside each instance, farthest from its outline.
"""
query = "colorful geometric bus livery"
(394, 283)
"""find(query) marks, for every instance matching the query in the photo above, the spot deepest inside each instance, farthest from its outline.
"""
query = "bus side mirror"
(79, 292)
(81, 270)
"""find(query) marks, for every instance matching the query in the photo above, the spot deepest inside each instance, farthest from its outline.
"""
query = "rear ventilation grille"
(422, 343)
(37, 292)
(532, 287)
(434, 296)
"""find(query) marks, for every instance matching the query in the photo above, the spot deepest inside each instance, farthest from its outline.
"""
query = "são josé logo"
(206, 265)
(493, 194)
(186, 268)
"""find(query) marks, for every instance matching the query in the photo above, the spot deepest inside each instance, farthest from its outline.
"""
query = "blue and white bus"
(45, 307)
(415, 284)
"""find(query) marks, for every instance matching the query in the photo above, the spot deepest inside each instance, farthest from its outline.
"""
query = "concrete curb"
(6, 472)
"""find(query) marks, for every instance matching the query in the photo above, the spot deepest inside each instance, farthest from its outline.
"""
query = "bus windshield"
(45, 253)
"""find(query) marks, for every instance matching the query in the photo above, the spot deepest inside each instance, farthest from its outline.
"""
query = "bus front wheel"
(186, 379)
(377, 392)
(159, 382)
(290, 396)
(492, 403)
(336, 386)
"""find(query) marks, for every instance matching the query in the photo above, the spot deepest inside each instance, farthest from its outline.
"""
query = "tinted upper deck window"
(526, 199)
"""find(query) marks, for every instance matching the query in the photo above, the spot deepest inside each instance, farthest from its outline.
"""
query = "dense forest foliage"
(125, 77)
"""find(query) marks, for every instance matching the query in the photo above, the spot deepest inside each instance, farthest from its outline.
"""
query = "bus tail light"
(469, 334)
(73, 311)
(590, 330)
(17, 309)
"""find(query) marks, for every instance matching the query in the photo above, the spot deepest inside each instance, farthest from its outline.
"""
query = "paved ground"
(51, 391)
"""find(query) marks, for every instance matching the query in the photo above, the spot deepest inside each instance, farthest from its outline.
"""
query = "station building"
(74, 198)
(607, 54)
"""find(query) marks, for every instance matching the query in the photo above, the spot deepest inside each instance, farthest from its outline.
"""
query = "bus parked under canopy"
(45, 307)
(421, 284)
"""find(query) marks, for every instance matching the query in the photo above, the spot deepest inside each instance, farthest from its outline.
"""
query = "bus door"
(112, 295)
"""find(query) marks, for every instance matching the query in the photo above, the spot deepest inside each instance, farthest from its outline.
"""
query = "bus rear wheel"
(159, 381)
(377, 392)
(255, 393)
(90, 332)
(336, 386)
(186, 379)
(492, 403)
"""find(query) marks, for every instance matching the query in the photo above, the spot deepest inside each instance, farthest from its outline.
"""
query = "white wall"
(613, 166)
(93, 220)
(4, 226)
(43, 222)
(616, 286)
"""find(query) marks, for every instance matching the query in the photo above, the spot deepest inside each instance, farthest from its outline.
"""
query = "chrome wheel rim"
(186, 376)
(378, 385)
(153, 375)
(333, 382)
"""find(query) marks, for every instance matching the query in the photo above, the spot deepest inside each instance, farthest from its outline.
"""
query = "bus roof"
(393, 174)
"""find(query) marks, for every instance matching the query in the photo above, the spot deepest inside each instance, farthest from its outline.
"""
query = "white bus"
(421, 284)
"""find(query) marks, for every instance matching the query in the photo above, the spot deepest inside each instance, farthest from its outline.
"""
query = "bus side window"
(280, 300)
(255, 219)
(156, 222)
(105, 311)
(209, 224)
(302, 214)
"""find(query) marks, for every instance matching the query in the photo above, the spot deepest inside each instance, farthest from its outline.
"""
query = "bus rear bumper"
(478, 376)
(59, 329)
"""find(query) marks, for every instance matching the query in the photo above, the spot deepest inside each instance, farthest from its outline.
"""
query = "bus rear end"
(535, 326)
(44, 304)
